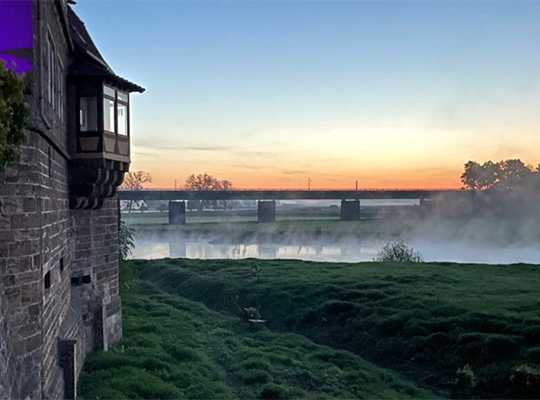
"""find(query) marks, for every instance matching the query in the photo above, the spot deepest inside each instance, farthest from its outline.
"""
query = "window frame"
(49, 51)
(60, 88)
(116, 101)
(79, 125)
(126, 104)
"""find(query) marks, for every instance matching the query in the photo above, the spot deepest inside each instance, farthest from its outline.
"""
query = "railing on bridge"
(286, 194)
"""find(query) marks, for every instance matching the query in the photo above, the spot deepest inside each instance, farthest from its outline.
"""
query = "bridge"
(350, 199)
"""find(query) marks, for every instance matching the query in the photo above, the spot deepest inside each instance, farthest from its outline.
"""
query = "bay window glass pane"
(109, 91)
(122, 96)
(108, 115)
(88, 114)
(122, 119)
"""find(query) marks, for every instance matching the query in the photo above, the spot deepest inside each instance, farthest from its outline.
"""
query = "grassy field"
(174, 348)
(250, 215)
(460, 330)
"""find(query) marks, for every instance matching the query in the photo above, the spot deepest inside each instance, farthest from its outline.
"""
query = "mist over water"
(343, 251)
(503, 238)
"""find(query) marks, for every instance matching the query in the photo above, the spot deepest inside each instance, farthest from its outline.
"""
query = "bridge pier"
(177, 212)
(350, 210)
(266, 211)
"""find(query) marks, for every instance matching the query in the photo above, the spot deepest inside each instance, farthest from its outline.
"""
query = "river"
(349, 251)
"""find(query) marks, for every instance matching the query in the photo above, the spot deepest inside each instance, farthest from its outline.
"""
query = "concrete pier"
(266, 211)
(350, 210)
(177, 212)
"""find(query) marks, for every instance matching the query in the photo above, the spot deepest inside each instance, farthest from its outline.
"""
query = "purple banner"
(16, 33)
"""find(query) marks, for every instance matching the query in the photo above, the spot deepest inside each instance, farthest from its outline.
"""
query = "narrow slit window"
(50, 163)
(48, 280)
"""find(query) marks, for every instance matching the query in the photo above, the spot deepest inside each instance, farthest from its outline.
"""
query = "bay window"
(103, 122)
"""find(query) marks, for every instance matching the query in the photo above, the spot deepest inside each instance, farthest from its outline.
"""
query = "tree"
(135, 181)
(206, 182)
(471, 175)
(512, 173)
(489, 173)
(507, 174)
(14, 113)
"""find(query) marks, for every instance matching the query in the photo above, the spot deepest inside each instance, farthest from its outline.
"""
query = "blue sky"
(268, 93)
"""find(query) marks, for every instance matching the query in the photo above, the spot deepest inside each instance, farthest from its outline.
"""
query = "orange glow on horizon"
(413, 180)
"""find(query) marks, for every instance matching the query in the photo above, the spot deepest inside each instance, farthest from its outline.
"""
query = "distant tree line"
(504, 191)
(206, 182)
(508, 175)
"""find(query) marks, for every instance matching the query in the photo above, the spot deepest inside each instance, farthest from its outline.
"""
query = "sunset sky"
(266, 94)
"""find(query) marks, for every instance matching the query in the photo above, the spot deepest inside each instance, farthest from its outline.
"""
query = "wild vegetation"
(126, 241)
(14, 113)
(460, 330)
(398, 251)
(174, 348)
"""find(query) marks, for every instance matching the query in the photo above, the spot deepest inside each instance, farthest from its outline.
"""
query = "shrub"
(465, 380)
(14, 114)
(526, 381)
(126, 243)
(273, 391)
(398, 251)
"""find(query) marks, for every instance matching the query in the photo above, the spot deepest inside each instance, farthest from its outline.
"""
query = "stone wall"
(44, 245)
(20, 257)
(58, 267)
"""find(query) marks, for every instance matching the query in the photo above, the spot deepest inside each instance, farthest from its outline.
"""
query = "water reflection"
(175, 247)
(205, 250)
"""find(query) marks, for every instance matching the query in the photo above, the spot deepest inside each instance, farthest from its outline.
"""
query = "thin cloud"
(247, 153)
(250, 167)
(169, 147)
(293, 171)
(208, 148)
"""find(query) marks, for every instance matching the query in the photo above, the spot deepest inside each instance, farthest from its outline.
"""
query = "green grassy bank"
(460, 330)
(174, 348)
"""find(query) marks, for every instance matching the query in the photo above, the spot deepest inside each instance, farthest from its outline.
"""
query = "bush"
(398, 251)
(526, 381)
(465, 381)
(126, 243)
(14, 114)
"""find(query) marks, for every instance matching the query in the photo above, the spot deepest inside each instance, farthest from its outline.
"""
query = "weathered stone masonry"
(59, 227)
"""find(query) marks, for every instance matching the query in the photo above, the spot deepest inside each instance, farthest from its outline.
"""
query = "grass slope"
(174, 348)
(426, 321)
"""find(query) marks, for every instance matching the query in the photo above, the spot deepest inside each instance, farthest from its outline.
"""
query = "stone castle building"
(58, 207)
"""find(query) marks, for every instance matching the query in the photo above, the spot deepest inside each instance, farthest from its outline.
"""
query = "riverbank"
(174, 348)
(308, 227)
(461, 330)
